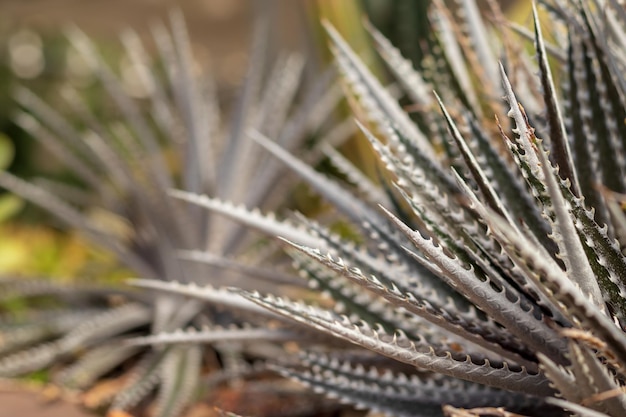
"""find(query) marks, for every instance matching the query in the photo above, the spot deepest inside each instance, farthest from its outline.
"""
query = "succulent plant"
(489, 278)
(129, 161)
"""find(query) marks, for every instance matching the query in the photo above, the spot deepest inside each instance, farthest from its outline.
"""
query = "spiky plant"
(491, 279)
(129, 162)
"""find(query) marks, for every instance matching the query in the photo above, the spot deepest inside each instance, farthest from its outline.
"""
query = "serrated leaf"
(399, 348)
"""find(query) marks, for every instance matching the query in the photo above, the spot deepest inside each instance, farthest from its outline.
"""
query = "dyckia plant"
(491, 279)
(129, 163)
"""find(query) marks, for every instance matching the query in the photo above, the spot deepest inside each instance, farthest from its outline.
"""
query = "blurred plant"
(33, 59)
(30, 243)
(498, 286)
(175, 136)
(404, 23)
(9, 204)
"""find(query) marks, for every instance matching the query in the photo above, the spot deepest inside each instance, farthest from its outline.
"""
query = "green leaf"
(7, 151)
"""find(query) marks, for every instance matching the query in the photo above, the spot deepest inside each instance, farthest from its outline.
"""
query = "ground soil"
(20, 401)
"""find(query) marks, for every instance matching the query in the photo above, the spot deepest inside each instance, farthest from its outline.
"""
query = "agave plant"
(129, 162)
(490, 275)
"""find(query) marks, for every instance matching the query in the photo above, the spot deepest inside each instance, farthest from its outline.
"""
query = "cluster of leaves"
(129, 164)
(498, 281)
(491, 278)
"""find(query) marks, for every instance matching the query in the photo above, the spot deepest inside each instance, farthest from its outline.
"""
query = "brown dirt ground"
(19, 401)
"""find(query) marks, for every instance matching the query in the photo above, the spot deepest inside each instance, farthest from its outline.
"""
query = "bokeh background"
(35, 53)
